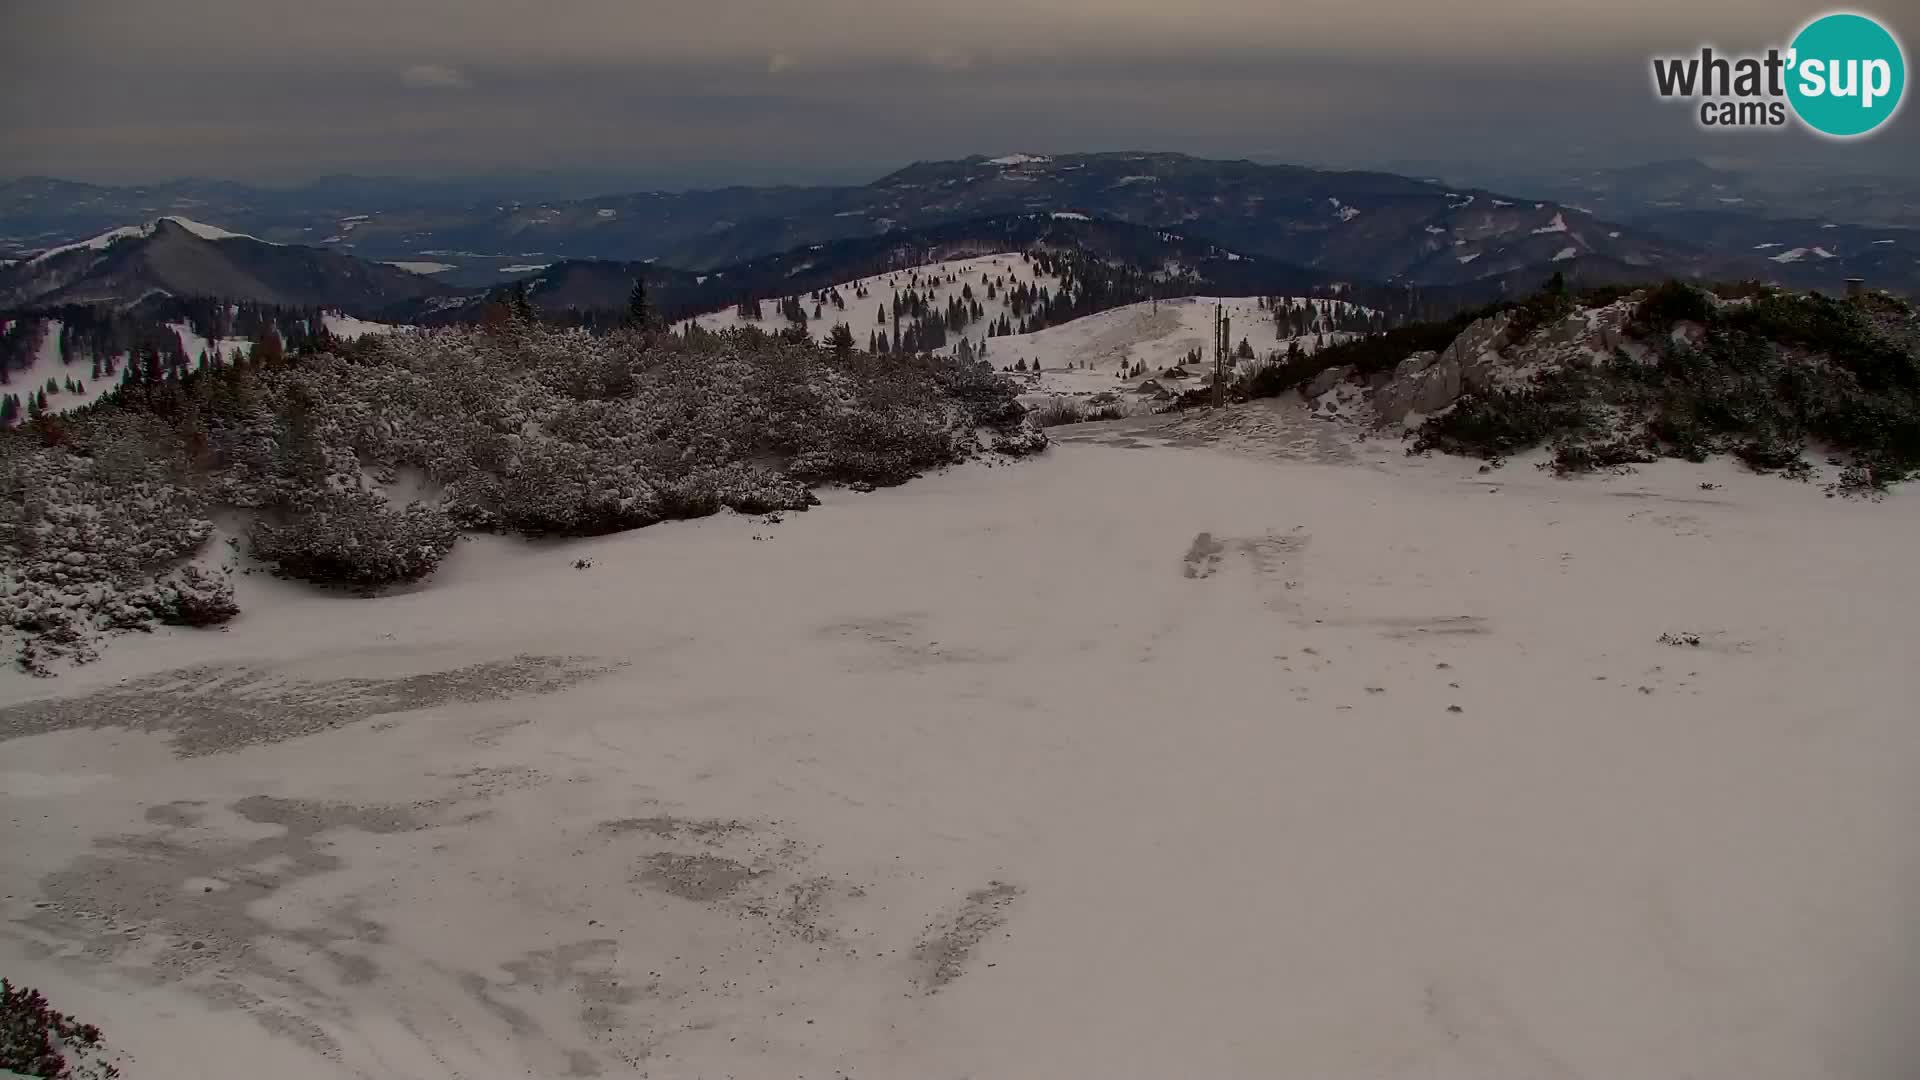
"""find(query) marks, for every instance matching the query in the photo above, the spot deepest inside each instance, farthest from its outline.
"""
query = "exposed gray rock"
(1427, 382)
(1327, 380)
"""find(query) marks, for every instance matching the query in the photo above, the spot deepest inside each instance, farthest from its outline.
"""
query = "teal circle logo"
(1847, 75)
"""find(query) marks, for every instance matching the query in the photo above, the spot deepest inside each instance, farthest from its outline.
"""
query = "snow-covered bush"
(354, 538)
(526, 429)
(191, 596)
(85, 530)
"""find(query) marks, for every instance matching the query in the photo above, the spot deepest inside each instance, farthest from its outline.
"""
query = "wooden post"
(1219, 358)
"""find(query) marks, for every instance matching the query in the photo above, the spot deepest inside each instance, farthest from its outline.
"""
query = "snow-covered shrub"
(528, 429)
(84, 530)
(354, 538)
(192, 596)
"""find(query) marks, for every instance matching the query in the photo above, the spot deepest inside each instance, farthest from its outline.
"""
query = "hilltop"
(1358, 225)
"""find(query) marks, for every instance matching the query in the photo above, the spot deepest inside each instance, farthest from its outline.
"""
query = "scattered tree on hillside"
(639, 311)
(842, 340)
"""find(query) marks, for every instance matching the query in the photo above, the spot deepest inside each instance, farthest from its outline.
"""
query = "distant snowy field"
(938, 281)
(47, 366)
(1080, 358)
(1088, 356)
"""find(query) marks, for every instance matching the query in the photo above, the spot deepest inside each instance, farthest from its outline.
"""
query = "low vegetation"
(1064, 410)
(40, 1041)
(519, 428)
(1762, 377)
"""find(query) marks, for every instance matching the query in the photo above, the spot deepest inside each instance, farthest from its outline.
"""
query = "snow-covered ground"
(347, 327)
(1134, 760)
(424, 268)
(107, 239)
(1004, 269)
(1076, 359)
(194, 345)
(47, 365)
(1089, 355)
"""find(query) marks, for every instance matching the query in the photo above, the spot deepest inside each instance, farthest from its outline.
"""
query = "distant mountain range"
(1648, 193)
(1235, 227)
(175, 256)
(1648, 221)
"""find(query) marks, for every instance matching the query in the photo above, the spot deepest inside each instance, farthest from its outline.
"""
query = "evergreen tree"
(519, 305)
(842, 340)
(639, 311)
(268, 351)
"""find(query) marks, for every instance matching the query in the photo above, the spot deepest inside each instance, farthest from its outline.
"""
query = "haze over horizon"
(843, 91)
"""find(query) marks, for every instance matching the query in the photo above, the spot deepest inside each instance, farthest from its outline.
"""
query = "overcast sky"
(706, 90)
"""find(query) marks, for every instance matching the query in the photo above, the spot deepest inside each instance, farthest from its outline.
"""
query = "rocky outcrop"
(1327, 380)
(1484, 355)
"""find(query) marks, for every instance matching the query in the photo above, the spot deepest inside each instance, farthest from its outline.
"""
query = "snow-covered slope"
(347, 327)
(1158, 335)
(86, 378)
(176, 256)
(1100, 353)
(939, 282)
(128, 232)
(47, 367)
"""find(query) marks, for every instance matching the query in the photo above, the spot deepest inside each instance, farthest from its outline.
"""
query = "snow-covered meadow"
(1164, 754)
(937, 282)
(1114, 351)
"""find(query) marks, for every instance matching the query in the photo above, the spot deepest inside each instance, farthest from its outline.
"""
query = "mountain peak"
(130, 232)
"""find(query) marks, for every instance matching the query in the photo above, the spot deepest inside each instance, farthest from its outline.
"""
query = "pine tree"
(519, 305)
(842, 340)
(639, 311)
(268, 351)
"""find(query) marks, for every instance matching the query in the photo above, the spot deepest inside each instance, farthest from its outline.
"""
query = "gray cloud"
(435, 77)
(812, 89)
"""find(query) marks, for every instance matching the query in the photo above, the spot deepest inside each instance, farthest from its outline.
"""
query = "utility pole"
(1220, 334)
